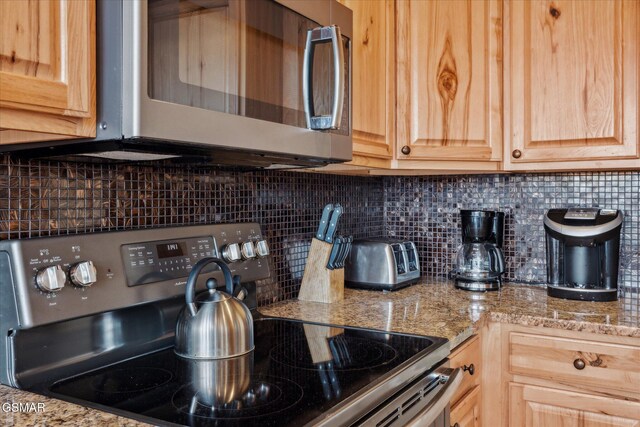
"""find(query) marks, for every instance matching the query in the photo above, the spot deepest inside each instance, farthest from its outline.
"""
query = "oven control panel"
(59, 278)
(167, 259)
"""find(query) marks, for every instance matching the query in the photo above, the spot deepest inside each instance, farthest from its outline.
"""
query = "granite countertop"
(437, 308)
(427, 308)
(39, 410)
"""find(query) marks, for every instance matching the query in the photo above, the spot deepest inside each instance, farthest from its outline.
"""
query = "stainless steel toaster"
(382, 263)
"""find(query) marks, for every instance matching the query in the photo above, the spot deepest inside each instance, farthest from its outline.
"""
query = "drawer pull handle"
(470, 368)
(456, 425)
(579, 364)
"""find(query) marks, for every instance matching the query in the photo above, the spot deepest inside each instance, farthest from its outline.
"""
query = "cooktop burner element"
(131, 380)
(265, 396)
(346, 353)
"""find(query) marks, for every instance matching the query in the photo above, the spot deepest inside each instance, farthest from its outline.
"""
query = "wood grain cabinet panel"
(571, 84)
(466, 402)
(373, 80)
(449, 102)
(533, 406)
(466, 412)
(575, 362)
(47, 69)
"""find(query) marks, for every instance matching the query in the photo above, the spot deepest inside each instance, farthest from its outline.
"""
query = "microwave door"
(230, 73)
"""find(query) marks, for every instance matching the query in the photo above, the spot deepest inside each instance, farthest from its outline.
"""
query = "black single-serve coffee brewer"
(479, 261)
(583, 252)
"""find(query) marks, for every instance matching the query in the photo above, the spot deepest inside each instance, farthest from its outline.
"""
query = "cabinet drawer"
(579, 362)
(466, 412)
(467, 354)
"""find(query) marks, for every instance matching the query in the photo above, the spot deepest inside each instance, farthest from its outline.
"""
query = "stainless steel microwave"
(245, 82)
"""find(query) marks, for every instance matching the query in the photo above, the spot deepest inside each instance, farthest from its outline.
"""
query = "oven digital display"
(171, 250)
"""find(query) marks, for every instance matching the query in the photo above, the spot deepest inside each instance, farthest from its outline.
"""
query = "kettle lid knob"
(190, 291)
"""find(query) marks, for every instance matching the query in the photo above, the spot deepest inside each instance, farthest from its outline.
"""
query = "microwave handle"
(453, 379)
(322, 35)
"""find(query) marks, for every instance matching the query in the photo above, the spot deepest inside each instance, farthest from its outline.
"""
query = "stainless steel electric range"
(90, 319)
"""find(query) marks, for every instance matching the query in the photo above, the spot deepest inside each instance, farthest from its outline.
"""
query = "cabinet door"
(571, 75)
(466, 412)
(449, 103)
(47, 69)
(373, 79)
(532, 406)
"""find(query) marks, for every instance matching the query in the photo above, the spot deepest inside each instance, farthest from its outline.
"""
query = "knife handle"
(333, 223)
(333, 256)
(324, 222)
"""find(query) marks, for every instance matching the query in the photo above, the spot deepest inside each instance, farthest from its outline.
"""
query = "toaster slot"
(399, 255)
(412, 259)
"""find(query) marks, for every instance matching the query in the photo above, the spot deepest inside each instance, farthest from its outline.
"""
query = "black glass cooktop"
(297, 372)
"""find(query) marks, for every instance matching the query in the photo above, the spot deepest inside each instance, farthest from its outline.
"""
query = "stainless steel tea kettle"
(215, 325)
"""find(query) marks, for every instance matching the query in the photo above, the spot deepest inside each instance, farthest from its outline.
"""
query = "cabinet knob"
(579, 364)
(406, 150)
(516, 154)
(470, 368)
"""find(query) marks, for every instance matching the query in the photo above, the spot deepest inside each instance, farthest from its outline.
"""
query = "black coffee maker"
(479, 261)
(583, 252)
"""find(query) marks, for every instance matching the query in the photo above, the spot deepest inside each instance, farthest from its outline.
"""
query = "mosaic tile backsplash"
(426, 210)
(50, 199)
(39, 198)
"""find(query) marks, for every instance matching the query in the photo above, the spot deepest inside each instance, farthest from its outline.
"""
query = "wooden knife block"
(319, 284)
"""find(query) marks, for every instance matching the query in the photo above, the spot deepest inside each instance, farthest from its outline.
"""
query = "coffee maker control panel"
(582, 213)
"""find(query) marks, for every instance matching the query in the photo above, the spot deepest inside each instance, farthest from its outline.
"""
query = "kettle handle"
(190, 292)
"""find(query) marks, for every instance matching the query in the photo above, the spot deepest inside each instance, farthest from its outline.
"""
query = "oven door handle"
(453, 379)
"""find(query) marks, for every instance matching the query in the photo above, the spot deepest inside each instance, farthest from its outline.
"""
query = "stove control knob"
(231, 252)
(262, 248)
(51, 279)
(248, 250)
(83, 274)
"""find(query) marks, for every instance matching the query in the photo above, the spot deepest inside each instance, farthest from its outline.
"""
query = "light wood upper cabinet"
(47, 69)
(373, 82)
(449, 102)
(571, 84)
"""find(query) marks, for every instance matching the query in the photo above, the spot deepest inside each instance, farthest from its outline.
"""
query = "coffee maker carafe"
(479, 261)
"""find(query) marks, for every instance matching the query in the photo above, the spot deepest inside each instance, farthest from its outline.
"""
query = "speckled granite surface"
(41, 411)
(437, 308)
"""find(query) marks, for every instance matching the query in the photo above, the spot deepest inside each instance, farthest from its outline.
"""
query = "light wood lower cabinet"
(534, 406)
(552, 377)
(466, 412)
(466, 403)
